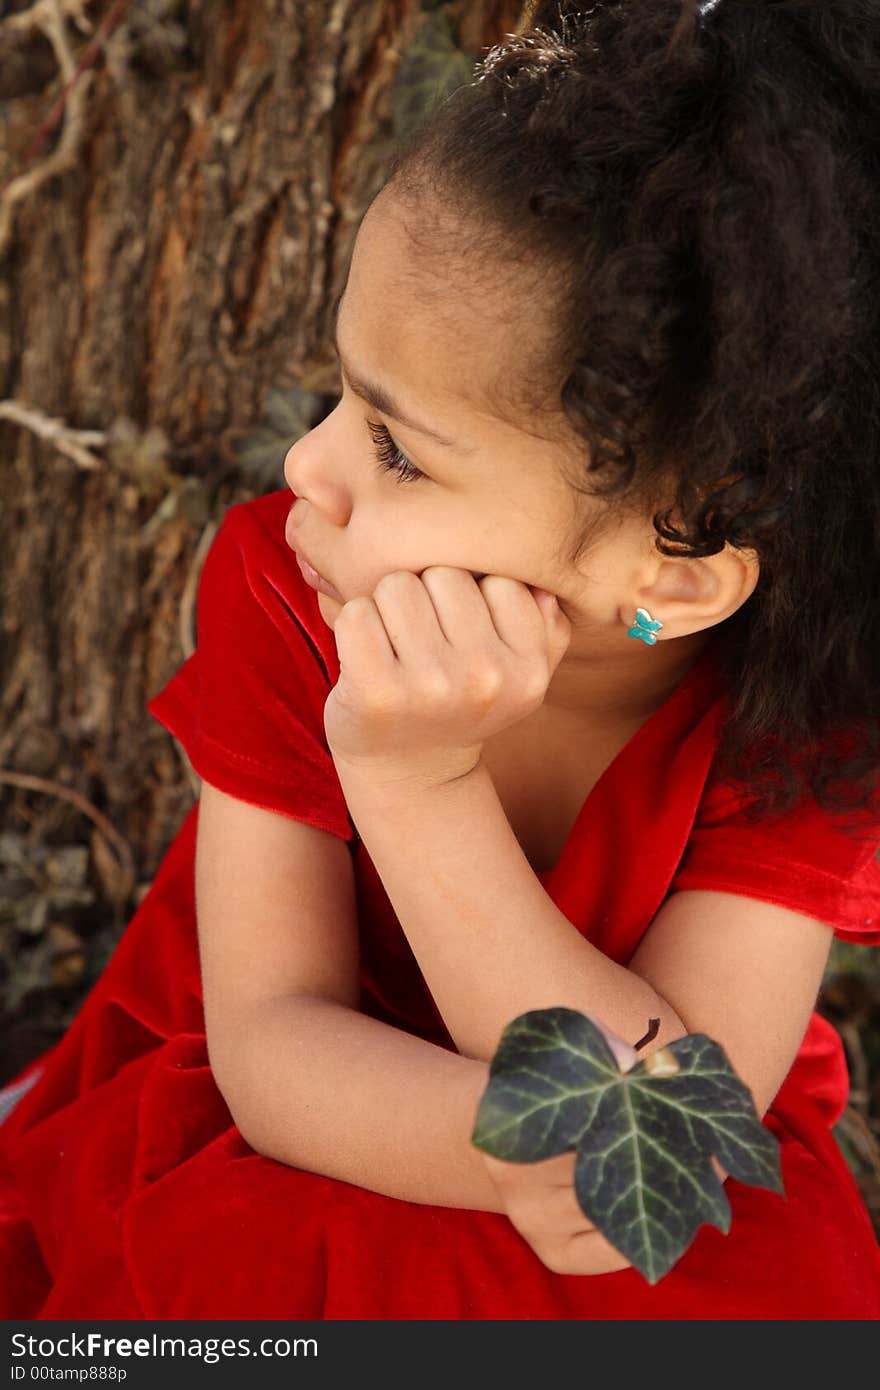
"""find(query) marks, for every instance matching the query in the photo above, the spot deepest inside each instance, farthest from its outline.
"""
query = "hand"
(432, 665)
(539, 1199)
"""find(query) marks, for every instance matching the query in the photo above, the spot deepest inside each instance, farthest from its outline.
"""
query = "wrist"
(396, 779)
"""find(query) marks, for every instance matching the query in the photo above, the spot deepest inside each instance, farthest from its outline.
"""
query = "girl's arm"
(308, 1079)
(492, 944)
(319, 1086)
(489, 940)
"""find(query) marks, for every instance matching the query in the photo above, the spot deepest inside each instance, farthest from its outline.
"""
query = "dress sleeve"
(803, 860)
(247, 705)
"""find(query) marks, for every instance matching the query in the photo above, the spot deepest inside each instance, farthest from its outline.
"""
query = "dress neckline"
(704, 670)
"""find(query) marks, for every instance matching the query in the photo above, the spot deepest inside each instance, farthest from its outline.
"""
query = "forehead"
(398, 291)
(448, 331)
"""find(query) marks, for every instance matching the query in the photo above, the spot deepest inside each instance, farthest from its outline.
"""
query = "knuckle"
(535, 683)
(435, 686)
(352, 608)
(372, 703)
(392, 581)
(484, 681)
(383, 702)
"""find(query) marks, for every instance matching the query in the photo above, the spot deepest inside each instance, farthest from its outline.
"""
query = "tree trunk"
(180, 184)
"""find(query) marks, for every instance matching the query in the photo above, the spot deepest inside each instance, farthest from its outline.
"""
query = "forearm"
(320, 1086)
(489, 940)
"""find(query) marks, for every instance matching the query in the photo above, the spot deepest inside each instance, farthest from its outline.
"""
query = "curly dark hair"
(703, 184)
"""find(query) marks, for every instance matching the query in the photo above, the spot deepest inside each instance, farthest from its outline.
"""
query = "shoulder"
(251, 583)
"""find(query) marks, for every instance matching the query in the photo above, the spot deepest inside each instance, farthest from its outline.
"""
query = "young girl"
(583, 712)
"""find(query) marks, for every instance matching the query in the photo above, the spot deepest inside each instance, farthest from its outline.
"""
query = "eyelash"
(389, 456)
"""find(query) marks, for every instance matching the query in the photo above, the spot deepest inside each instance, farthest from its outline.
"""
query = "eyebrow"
(382, 400)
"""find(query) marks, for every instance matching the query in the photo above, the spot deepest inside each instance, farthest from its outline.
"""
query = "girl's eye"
(390, 457)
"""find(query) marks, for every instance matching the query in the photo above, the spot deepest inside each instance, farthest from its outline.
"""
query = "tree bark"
(180, 185)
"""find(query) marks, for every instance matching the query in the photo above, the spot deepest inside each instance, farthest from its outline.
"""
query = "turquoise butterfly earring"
(645, 626)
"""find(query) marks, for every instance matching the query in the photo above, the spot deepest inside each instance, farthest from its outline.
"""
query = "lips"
(313, 577)
(315, 580)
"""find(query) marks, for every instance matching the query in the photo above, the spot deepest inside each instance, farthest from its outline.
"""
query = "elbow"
(228, 1072)
(675, 1026)
(231, 1098)
(242, 1113)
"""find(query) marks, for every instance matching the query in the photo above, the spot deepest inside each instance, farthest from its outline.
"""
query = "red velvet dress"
(125, 1189)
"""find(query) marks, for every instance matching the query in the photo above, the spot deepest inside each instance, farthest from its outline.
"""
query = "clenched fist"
(432, 665)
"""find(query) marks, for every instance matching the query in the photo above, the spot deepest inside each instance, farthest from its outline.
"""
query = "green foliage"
(429, 72)
(643, 1138)
(287, 414)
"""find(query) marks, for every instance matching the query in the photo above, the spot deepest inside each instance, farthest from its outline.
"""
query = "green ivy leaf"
(259, 452)
(430, 70)
(643, 1138)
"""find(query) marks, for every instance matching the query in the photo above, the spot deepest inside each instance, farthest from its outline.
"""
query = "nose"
(315, 471)
(295, 515)
(308, 463)
(295, 477)
(288, 469)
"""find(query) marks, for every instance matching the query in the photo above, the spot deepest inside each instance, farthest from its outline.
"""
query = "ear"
(688, 595)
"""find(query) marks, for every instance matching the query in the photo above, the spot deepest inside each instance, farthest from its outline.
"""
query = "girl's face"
(455, 484)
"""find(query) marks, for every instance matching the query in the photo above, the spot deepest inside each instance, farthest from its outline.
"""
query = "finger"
(559, 627)
(460, 607)
(589, 1252)
(548, 1213)
(361, 638)
(547, 602)
(556, 627)
(625, 1054)
(409, 616)
(520, 622)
